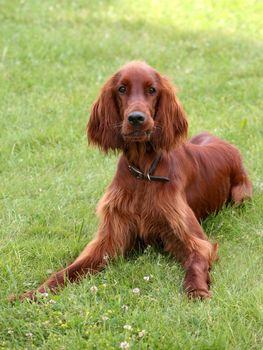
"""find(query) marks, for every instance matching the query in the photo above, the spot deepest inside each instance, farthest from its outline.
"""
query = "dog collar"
(149, 176)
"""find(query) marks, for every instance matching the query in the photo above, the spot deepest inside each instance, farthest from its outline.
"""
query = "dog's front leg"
(185, 239)
(113, 238)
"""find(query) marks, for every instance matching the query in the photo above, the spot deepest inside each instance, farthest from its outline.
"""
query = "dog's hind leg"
(241, 188)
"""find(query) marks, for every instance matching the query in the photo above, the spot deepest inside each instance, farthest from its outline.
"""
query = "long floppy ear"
(103, 128)
(170, 120)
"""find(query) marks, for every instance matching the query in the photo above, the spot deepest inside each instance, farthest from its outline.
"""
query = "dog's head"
(137, 104)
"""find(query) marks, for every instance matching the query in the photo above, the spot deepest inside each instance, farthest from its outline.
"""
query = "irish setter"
(163, 185)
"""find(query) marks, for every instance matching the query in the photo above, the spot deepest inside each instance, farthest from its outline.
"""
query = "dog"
(163, 186)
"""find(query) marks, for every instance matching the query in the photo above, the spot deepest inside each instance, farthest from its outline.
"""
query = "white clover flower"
(141, 333)
(45, 295)
(146, 278)
(136, 291)
(125, 307)
(106, 257)
(93, 289)
(128, 327)
(105, 318)
(124, 345)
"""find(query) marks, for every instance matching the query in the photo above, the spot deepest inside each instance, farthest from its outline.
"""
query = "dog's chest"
(139, 205)
(144, 209)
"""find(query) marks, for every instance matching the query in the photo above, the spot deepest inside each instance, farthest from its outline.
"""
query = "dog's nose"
(135, 118)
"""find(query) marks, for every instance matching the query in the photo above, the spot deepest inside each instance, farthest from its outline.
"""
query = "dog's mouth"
(138, 135)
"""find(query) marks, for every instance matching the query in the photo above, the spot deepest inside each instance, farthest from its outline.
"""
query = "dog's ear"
(103, 128)
(171, 122)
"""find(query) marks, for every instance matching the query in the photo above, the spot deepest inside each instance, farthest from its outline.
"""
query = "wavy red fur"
(205, 173)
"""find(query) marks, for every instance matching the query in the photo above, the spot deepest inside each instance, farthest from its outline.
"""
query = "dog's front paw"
(198, 294)
(30, 296)
(197, 288)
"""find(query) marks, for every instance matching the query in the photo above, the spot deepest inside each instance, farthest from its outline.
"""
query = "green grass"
(54, 56)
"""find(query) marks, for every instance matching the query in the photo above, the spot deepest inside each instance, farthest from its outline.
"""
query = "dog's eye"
(122, 89)
(152, 90)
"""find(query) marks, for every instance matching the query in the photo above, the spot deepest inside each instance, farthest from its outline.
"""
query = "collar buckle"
(149, 177)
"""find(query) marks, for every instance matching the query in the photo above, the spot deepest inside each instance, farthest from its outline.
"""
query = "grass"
(54, 56)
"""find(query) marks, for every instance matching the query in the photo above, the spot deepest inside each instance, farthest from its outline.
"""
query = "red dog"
(163, 185)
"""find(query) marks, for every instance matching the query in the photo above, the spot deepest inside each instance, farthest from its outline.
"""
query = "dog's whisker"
(116, 126)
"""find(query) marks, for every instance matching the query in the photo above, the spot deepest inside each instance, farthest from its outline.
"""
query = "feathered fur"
(205, 173)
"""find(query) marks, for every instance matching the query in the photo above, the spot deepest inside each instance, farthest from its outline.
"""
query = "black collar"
(149, 177)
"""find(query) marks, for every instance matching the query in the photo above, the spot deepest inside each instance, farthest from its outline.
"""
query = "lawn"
(54, 57)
